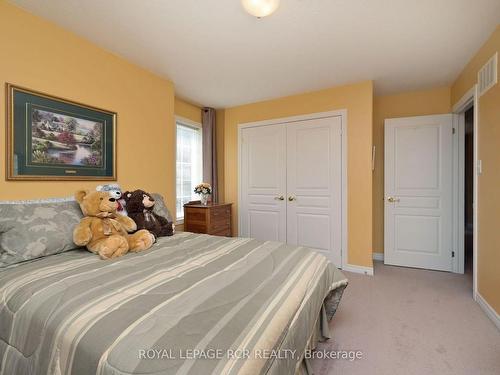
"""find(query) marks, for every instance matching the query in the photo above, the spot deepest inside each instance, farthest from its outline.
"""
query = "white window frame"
(179, 120)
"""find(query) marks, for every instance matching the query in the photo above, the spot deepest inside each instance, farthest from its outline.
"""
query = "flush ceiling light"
(260, 8)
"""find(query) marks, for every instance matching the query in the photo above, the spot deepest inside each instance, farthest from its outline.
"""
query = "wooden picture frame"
(51, 138)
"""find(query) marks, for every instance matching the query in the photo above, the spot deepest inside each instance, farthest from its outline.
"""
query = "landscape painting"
(50, 138)
(63, 139)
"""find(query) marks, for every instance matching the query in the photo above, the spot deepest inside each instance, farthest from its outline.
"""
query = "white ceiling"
(217, 55)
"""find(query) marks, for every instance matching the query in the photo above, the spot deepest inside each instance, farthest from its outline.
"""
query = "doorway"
(431, 197)
(468, 222)
(466, 174)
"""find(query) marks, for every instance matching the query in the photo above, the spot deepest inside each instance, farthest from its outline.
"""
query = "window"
(189, 164)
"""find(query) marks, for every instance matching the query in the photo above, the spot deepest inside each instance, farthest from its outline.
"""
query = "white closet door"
(263, 183)
(314, 165)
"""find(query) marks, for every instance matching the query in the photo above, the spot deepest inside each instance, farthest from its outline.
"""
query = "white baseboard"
(358, 269)
(378, 256)
(489, 311)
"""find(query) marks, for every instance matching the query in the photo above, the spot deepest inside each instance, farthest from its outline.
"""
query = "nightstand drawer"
(221, 224)
(195, 215)
(220, 212)
(195, 227)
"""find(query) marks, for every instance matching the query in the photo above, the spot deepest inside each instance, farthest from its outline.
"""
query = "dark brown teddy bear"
(140, 208)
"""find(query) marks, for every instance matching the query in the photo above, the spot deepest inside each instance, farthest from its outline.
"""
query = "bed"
(193, 304)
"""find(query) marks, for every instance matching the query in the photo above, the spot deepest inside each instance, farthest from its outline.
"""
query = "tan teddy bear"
(103, 231)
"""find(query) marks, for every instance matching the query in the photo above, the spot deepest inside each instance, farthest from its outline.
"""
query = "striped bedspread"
(193, 304)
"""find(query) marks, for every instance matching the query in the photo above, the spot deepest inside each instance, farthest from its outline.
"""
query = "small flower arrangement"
(203, 188)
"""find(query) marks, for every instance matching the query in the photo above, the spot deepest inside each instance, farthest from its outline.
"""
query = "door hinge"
(453, 130)
(453, 254)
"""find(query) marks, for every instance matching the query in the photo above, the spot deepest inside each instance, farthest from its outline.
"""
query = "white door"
(418, 192)
(263, 183)
(314, 182)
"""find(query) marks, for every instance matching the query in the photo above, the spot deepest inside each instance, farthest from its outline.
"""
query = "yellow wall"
(187, 110)
(489, 181)
(358, 100)
(87, 74)
(417, 103)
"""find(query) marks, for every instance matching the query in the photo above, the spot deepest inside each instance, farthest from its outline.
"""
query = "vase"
(204, 199)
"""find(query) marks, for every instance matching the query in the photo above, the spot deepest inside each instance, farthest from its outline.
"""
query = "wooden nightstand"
(214, 218)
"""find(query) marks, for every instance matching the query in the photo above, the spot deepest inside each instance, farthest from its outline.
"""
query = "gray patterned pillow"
(160, 208)
(29, 231)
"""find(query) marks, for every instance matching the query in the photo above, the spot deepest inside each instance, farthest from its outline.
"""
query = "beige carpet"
(409, 321)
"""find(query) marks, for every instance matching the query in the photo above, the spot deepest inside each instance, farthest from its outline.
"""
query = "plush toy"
(116, 192)
(140, 208)
(104, 232)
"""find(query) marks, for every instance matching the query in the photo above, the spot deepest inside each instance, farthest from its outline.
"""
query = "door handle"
(291, 198)
(280, 198)
(392, 199)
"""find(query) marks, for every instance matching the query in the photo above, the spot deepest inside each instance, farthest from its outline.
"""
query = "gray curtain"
(210, 151)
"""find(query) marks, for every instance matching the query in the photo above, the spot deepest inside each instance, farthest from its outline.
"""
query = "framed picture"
(50, 138)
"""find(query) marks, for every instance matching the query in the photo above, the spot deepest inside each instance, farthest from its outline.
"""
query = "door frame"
(312, 116)
(469, 99)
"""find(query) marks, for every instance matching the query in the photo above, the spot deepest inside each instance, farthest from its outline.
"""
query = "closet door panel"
(314, 185)
(263, 183)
